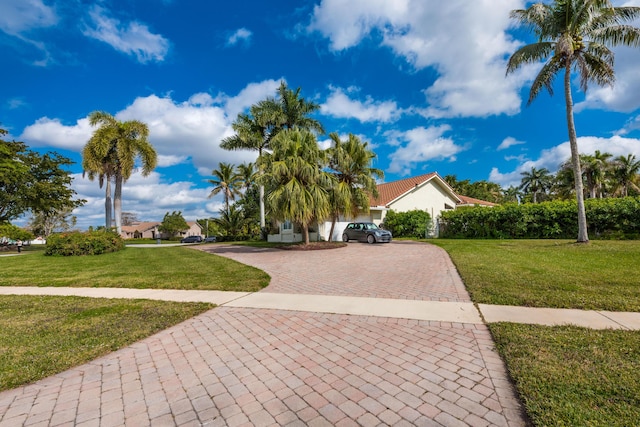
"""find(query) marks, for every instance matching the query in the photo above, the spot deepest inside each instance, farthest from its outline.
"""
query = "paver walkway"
(265, 366)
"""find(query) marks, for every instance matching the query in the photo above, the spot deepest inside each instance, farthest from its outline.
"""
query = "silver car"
(365, 232)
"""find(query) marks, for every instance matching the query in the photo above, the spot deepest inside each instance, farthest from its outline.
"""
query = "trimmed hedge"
(87, 243)
(606, 219)
(415, 223)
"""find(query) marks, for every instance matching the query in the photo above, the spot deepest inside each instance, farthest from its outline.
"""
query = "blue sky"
(423, 81)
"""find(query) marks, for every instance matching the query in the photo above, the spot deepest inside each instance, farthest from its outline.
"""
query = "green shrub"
(414, 223)
(87, 243)
(606, 219)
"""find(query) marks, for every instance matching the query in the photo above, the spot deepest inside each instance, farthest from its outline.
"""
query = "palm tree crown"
(226, 181)
(574, 35)
(111, 154)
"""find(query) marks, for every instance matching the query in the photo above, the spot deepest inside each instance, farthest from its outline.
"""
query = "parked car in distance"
(210, 239)
(191, 239)
(365, 232)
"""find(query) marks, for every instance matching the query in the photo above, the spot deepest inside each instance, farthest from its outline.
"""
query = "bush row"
(87, 243)
(606, 219)
(414, 223)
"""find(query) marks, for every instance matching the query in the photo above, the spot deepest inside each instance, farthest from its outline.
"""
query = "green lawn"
(160, 268)
(565, 376)
(570, 376)
(602, 275)
(41, 336)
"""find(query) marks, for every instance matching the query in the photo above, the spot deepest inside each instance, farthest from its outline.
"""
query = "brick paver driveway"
(241, 366)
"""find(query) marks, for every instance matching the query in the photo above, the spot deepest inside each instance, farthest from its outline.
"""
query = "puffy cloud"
(420, 145)
(340, 105)
(508, 142)
(469, 56)
(248, 96)
(553, 157)
(242, 35)
(46, 132)
(20, 16)
(133, 38)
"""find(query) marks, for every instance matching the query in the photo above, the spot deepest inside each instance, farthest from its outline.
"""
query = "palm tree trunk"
(117, 204)
(334, 219)
(262, 218)
(583, 236)
(305, 233)
(107, 204)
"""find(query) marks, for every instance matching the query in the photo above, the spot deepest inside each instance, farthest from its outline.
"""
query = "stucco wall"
(430, 197)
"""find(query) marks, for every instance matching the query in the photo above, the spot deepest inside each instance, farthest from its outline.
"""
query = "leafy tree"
(46, 223)
(10, 231)
(294, 171)
(173, 223)
(249, 204)
(625, 171)
(574, 35)
(293, 111)
(226, 181)
(129, 218)
(536, 182)
(596, 168)
(350, 162)
(33, 182)
(111, 154)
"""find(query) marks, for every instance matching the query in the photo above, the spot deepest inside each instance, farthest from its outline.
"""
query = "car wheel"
(371, 239)
(345, 238)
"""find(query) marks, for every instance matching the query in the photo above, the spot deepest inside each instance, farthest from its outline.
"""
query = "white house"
(427, 192)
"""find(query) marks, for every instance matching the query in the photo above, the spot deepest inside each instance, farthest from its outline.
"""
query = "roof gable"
(391, 191)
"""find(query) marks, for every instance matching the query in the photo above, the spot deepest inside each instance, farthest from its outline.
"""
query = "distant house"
(427, 192)
(149, 230)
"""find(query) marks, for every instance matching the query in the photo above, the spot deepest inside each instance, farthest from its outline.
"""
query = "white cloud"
(553, 157)
(20, 16)
(340, 105)
(46, 132)
(631, 125)
(133, 38)
(242, 35)
(465, 42)
(508, 142)
(420, 145)
(248, 96)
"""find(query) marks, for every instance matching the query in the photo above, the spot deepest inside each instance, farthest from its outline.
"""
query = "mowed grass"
(565, 376)
(570, 376)
(159, 268)
(41, 336)
(601, 275)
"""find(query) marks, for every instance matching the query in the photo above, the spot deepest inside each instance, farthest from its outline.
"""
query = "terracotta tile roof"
(390, 191)
(471, 201)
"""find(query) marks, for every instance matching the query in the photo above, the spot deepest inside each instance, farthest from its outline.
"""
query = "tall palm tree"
(536, 181)
(626, 170)
(294, 170)
(254, 131)
(574, 35)
(226, 181)
(111, 154)
(355, 181)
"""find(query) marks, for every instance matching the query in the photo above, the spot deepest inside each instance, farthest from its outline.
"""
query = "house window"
(287, 225)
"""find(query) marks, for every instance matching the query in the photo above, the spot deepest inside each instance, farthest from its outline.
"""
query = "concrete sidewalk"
(440, 311)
